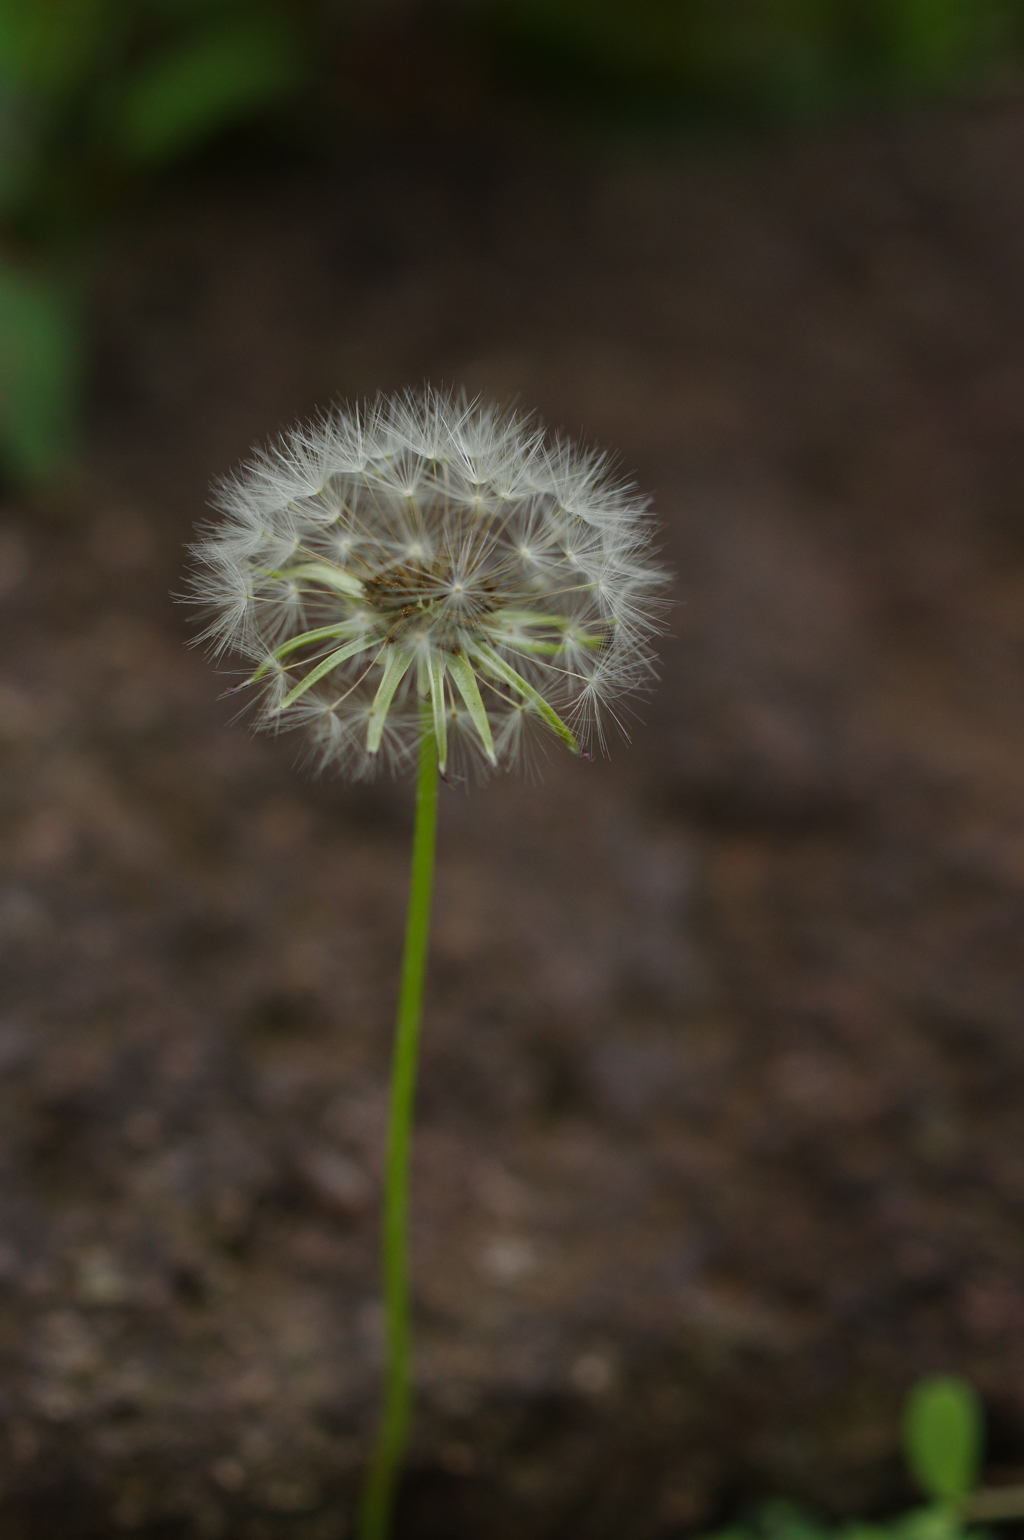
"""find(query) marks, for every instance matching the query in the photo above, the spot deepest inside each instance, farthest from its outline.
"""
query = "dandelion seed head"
(427, 553)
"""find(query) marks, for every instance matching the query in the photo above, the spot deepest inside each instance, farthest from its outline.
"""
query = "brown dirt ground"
(720, 1139)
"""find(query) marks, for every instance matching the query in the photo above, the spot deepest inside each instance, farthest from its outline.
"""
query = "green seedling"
(943, 1435)
(943, 1443)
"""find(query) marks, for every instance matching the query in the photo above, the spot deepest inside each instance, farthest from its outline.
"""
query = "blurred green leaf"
(782, 51)
(781, 1519)
(938, 1521)
(777, 53)
(861, 1531)
(203, 85)
(942, 1437)
(49, 46)
(929, 40)
(18, 144)
(40, 356)
(178, 10)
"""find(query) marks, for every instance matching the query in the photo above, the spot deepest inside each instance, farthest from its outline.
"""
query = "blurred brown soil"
(720, 1139)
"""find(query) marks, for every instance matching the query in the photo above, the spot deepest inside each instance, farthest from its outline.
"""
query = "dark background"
(719, 1140)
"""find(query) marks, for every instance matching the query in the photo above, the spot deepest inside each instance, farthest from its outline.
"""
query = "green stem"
(379, 1493)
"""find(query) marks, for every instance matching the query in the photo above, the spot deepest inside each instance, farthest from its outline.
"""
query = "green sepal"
(307, 639)
(549, 649)
(538, 618)
(535, 618)
(327, 666)
(462, 672)
(436, 668)
(395, 670)
(323, 572)
(507, 674)
(516, 618)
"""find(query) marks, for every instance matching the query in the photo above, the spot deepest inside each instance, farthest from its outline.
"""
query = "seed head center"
(431, 594)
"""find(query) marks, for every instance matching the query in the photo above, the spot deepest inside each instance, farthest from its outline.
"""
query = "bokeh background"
(720, 1143)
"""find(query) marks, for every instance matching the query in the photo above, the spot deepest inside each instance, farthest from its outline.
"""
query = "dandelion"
(427, 579)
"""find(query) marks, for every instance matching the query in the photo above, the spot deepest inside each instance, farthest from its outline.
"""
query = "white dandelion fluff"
(428, 553)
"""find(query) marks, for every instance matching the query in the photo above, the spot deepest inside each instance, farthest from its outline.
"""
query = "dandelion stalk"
(378, 1497)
